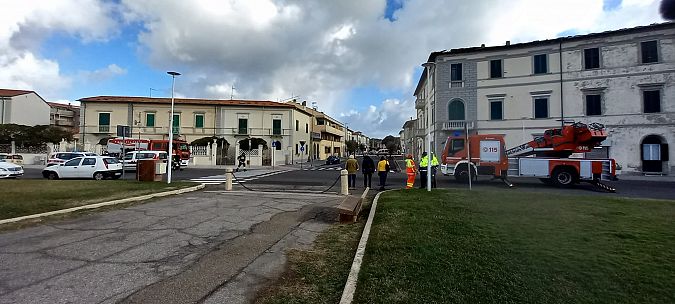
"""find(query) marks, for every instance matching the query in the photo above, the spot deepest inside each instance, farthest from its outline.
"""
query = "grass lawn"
(515, 247)
(23, 197)
(318, 275)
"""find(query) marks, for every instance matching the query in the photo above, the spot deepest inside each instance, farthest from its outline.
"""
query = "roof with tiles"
(191, 101)
(12, 93)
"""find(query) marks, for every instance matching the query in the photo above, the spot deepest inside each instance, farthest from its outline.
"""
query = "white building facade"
(623, 79)
(23, 108)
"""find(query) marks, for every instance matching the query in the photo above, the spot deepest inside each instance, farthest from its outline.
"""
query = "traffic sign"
(123, 131)
(302, 148)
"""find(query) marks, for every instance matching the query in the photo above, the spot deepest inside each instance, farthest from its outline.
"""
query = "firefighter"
(424, 161)
(411, 171)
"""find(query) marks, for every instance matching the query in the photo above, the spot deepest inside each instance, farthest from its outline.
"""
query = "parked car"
(10, 170)
(62, 157)
(96, 167)
(12, 158)
(131, 158)
(383, 152)
(332, 160)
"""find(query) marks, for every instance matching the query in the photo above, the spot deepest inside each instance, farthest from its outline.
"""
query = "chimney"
(482, 45)
(508, 42)
(304, 103)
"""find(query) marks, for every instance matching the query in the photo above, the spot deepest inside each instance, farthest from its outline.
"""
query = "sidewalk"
(212, 246)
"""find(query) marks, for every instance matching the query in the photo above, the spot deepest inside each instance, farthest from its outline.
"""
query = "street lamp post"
(429, 123)
(173, 83)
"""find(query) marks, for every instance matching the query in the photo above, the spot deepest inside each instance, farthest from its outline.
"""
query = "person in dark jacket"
(367, 168)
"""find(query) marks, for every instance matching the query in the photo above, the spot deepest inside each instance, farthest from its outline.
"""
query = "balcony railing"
(453, 125)
(329, 129)
(420, 103)
(104, 129)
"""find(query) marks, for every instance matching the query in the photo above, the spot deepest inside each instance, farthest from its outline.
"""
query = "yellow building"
(242, 124)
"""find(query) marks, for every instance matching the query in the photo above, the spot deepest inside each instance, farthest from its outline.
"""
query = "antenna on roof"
(315, 106)
(232, 93)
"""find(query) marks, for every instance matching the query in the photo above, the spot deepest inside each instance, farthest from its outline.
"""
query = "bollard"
(344, 182)
(228, 179)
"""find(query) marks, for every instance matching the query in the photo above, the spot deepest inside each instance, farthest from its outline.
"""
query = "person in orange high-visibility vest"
(411, 170)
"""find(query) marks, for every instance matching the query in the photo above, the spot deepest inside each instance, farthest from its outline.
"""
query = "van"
(131, 158)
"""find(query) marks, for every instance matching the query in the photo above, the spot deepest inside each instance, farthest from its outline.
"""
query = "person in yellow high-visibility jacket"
(411, 171)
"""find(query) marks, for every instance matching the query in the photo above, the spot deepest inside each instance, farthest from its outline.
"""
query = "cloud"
(102, 74)
(25, 24)
(380, 120)
(274, 49)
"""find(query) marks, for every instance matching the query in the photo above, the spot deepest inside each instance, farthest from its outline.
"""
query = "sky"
(359, 60)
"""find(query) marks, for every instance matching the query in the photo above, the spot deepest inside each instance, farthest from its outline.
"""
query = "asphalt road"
(320, 177)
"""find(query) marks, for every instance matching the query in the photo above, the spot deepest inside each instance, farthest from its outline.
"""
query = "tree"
(33, 136)
(352, 145)
(668, 9)
(362, 147)
(392, 143)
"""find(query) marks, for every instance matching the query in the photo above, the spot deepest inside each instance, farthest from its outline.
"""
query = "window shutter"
(664, 152)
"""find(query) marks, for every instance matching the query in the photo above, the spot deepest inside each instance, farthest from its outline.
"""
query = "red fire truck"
(546, 157)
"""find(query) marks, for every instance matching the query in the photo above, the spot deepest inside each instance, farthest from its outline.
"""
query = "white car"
(10, 170)
(62, 157)
(131, 158)
(96, 167)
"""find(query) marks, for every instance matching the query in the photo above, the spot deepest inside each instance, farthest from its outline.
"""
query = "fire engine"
(546, 157)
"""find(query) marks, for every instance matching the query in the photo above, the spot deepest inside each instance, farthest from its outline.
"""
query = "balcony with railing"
(420, 103)
(453, 125)
(329, 129)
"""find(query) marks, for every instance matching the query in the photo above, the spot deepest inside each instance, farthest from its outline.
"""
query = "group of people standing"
(368, 167)
(412, 169)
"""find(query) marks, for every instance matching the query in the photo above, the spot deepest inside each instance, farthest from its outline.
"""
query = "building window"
(149, 119)
(496, 68)
(593, 104)
(243, 126)
(104, 122)
(297, 125)
(199, 120)
(456, 75)
(496, 109)
(306, 128)
(652, 101)
(176, 123)
(541, 107)
(592, 58)
(276, 126)
(456, 110)
(541, 64)
(649, 51)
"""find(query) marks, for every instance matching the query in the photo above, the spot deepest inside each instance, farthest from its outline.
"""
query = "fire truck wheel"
(462, 175)
(564, 177)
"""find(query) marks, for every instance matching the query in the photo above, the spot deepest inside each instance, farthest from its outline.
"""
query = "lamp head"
(173, 73)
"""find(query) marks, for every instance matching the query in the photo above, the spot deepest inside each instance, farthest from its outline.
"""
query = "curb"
(350, 286)
(103, 204)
